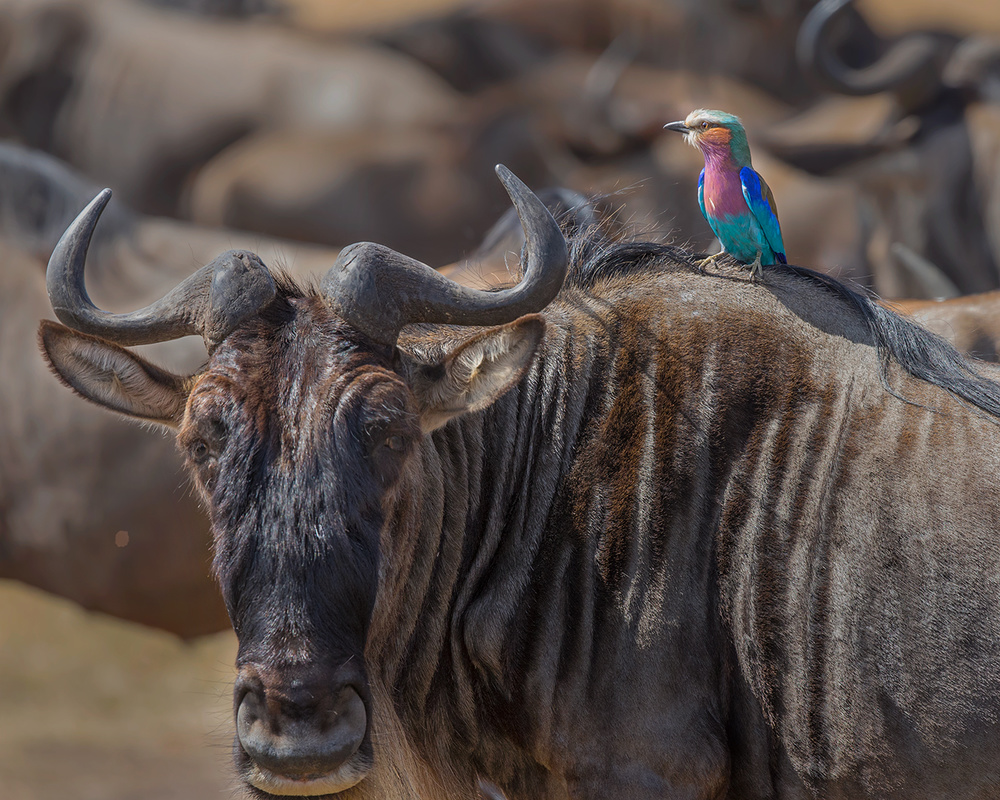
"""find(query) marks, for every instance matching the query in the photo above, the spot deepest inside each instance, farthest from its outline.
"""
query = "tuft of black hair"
(594, 258)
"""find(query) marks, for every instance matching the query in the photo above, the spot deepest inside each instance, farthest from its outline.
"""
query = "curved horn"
(912, 58)
(209, 303)
(379, 290)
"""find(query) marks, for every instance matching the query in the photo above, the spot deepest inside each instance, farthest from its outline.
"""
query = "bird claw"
(709, 260)
(756, 270)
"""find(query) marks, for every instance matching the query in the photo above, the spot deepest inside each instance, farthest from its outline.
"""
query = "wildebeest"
(641, 532)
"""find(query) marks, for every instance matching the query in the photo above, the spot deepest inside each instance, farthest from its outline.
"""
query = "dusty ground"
(96, 709)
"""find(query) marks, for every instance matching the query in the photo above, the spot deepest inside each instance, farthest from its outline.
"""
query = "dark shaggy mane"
(923, 354)
(594, 261)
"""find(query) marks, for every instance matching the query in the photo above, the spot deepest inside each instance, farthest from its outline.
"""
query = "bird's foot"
(708, 261)
(756, 270)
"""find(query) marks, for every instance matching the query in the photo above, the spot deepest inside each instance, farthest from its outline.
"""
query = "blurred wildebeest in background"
(142, 98)
(222, 8)
(579, 540)
(391, 134)
(494, 41)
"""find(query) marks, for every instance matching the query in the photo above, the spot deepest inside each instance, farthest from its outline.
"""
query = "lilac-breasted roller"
(734, 198)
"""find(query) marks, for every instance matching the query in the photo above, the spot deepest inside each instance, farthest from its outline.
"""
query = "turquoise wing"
(701, 194)
(761, 202)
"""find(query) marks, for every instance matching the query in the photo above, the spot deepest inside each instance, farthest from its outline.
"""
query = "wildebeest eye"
(198, 451)
(390, 443)
(395, 442)
(389, 452)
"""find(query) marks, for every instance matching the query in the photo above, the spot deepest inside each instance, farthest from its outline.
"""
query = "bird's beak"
(680, 127)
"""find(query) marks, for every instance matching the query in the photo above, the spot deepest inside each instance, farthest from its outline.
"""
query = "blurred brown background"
(295, 127)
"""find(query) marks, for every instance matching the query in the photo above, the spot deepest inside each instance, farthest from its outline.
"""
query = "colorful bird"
(734, 198)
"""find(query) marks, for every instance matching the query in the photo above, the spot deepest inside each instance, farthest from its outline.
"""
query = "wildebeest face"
(300, 434)
(295, 436)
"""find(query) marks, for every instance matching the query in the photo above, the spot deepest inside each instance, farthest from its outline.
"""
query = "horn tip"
(514, 185)
(506, 176)
(100, 201)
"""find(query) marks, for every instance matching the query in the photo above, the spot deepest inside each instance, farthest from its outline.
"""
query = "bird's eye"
(704, 126)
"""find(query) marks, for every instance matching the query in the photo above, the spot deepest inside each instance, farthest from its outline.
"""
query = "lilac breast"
(723, 191)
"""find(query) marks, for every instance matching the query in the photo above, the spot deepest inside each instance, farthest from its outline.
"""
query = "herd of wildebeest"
(572, 514)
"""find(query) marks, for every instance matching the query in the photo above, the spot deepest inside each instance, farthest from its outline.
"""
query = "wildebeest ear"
(111, 376)
(474, 372)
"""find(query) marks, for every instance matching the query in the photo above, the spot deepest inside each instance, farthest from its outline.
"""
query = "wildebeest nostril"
(301, 741)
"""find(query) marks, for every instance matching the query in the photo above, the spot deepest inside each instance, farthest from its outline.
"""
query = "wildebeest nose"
(300, 732)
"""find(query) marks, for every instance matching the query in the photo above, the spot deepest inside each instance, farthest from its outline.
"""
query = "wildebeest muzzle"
(302, 730)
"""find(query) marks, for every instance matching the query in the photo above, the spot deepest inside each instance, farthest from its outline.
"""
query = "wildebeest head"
(301, 433)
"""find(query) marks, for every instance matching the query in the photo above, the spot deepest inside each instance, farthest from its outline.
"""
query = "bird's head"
(714, 131)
